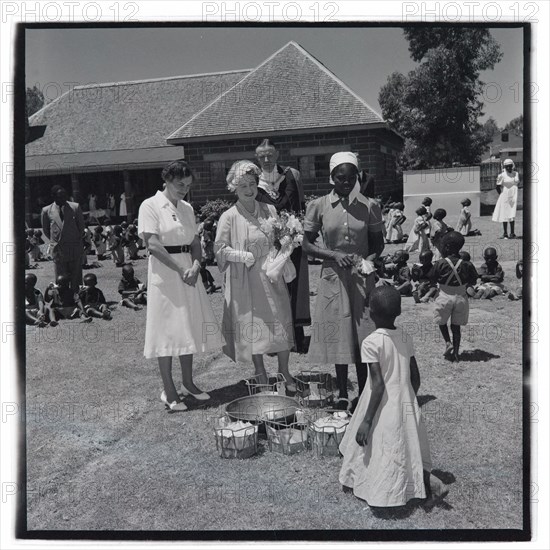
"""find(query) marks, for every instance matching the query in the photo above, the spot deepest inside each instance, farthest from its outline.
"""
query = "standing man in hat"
(281, 187)
(63, 224)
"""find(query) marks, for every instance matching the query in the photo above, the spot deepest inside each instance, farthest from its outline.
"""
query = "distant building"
(116, 137)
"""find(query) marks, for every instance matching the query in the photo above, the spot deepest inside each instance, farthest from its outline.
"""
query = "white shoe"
(203, 396)
(174, 406)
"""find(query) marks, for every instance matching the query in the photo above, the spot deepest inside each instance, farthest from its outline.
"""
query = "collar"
(355, 195)
(162, 200)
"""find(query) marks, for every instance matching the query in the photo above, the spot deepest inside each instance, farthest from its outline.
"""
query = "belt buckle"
(182, 251)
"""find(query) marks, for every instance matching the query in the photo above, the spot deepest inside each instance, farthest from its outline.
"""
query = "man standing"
(63, 224)
(281, 187)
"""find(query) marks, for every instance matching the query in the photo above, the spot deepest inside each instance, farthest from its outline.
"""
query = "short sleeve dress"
(505, 209)
(180, 320)
(341, 320)
(388, 471)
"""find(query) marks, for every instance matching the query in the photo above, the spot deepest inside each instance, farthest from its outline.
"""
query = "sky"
(362, 57)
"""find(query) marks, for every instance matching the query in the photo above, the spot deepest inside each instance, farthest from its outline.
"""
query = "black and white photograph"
(275, 280)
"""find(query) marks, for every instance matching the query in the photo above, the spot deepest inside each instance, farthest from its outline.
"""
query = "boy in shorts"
(453, 275)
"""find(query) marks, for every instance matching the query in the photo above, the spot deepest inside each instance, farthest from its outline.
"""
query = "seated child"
(491, 276)
(63, 302)
(132, 242)
(87, 243)
(427, 204)
(518, 294)
(402, 279)
(132, 290)
(394, 230)
(439, 229)
(425, 288)
(116, 245)
(464, 224)
(35, 240)
(418, 239)
(99, 242)
(453, 276)
(41, 245)
(35, 311)
(386, 454)
(93, 299)
(140, 244)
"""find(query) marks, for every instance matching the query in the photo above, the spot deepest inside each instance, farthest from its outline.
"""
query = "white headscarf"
(509, 161)
(342, 158)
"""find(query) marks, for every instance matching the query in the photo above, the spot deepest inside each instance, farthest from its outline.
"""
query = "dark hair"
(124, 225)
(117, 229)
(266, 143)
(426, 255)
(176, 170)
(90, 278)
(63, 279)
(401, 255)
(490, 253)
(452, 242)
(466, 202)
(421, 211)
(385, 301)
(31, 277)
(127, 269)
(427, 200)
(440, 213)
(465, 256)
(54, 190)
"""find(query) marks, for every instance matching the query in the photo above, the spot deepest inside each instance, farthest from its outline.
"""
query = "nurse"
(507, 188)
(180, 320)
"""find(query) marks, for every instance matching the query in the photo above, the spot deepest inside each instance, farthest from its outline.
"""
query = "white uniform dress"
(388, 471)
(180, 320)
(505, 209)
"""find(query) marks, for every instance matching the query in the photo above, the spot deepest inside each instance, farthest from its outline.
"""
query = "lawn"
(103, 454)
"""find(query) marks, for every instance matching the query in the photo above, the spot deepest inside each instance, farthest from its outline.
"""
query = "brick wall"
(367, 143)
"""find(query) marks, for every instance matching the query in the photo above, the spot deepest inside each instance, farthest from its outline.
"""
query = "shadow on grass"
(219, 396)
(423, 399)
(477, 355)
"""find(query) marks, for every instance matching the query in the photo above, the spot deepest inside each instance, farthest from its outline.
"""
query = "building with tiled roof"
(116, 137)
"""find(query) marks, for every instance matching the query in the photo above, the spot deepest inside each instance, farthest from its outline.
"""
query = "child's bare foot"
(86, 320)
(137, 308)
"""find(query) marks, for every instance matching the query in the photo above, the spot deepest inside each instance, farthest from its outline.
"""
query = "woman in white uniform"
(507, 188)
(180, 320)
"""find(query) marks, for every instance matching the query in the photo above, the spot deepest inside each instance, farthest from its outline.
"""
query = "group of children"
(60, 301)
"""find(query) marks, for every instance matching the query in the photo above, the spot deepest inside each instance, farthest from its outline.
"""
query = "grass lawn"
(103, 454)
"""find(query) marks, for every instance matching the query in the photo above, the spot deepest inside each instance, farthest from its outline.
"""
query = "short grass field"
(103, 454)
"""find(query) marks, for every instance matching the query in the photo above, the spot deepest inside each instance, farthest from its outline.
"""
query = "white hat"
(346, 157)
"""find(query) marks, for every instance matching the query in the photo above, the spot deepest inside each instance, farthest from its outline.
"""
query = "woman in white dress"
(507, 188)
(122, 210)
(180, 320)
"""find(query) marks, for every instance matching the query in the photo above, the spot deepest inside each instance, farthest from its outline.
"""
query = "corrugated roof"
(291, 90)
(124, 115)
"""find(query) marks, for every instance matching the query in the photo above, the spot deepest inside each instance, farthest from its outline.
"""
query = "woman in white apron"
(507, 187)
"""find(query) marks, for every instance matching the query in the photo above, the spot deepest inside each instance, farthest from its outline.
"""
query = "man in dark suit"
(281, 187)
(63, 224)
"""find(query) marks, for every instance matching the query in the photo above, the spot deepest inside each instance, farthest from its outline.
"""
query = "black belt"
(178, 249)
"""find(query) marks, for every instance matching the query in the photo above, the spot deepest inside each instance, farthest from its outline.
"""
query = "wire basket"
(314, 388)
(288, 438)
(235, 439)
(276, 385)
(327, 431)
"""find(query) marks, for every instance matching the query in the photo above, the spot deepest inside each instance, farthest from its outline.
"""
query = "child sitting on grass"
(385, 448)
(402, 279)
(453, 276)
(132, 290)
(93, 299)
(518, 294)
(36, 312)
(425, 288)
(116, 245)
(99, 242)
(63, 302)
(132, 242)
(491, 276)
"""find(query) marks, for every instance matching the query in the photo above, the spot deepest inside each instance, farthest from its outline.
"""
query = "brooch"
(174, 217)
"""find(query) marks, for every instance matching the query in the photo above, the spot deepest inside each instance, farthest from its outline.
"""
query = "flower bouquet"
(285, 232)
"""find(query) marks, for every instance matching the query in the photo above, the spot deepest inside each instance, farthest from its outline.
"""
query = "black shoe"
(512, 236)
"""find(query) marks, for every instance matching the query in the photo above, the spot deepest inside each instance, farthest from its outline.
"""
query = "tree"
(516, 125)
(34, 101)
(437, 106)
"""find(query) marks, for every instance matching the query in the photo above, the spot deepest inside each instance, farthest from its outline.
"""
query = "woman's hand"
(363, 433)
(249, 260)
(343, 260)
(189, 275)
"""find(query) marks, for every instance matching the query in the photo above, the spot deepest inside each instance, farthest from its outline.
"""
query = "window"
(314, 166)
(219, 170)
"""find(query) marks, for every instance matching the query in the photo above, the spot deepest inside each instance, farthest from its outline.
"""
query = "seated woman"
(257, 318)
(349, 228)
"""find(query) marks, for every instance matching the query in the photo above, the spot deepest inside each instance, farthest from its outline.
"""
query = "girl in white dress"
(180, 320)
(385, 447)
(507, 187)
(419, 237)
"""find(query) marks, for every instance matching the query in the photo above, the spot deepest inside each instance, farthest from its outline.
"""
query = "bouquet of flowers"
(285, 232)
